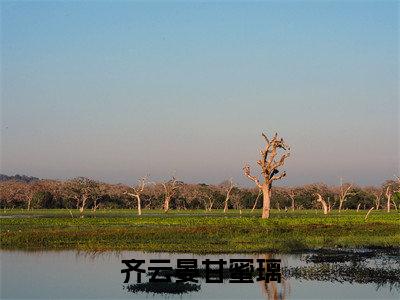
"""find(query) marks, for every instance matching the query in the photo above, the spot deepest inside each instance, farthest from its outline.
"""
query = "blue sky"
(117, 90)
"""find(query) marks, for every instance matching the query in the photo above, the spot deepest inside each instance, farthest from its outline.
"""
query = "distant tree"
(323, 202)
(170, 189)
(237, 199)
(138, 191)
(376, 193)
(81, 190)
(269, 169)
(14, 193)
(292, 195)
(391, 187)
(227, 186)
(343, 193)
(360, 198)
(43, 199)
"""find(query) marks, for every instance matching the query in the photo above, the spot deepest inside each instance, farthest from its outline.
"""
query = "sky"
(118, 90)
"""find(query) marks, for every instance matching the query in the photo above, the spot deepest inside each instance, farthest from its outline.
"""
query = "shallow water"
(81, 275)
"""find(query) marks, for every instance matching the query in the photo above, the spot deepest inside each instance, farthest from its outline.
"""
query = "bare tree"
(344, 191)
(292, 195)
(237, 202)
(388, 194)
(324, 205)
(377, 194)
(208, 202)
(269, 169)
(81, 189)
(392, 190)
(228, 194)
(170, 188)
(255, 202)
(331, 206)
(138, 191)
(369, 211)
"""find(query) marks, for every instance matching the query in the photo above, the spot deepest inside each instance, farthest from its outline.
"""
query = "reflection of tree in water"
(93, 255)
(273, 290)
(343, 273)
(371, 266)
(368, 266)
(177, 288)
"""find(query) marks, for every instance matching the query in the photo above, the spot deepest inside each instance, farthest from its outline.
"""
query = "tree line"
(84, 193)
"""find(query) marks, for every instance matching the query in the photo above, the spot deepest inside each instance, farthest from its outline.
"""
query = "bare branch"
(246, 172)
(265, 137)
(276, 177)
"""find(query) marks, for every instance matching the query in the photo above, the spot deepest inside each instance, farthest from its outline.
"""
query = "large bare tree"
(269, 169)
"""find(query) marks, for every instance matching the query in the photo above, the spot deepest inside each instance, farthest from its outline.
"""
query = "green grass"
(197, 231)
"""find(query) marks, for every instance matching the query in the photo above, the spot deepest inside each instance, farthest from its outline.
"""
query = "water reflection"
(71, 274)
(356, 266)
(177, 288)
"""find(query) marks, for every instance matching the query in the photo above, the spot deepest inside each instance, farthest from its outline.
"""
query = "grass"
(197, 231)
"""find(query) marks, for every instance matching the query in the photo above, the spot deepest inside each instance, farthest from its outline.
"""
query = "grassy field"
(197, 231)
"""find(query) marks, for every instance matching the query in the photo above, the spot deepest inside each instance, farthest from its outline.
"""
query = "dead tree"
(377, 195)
(237, 202)
(228, 194)
(170, 188)
(208, 202)
(324, 205)
(138, 191)
(255, 202)
(82, 190)
(369, 211)
(343, 193)
(331, 206)
(269, 169)
(388, 194)
(292, 194)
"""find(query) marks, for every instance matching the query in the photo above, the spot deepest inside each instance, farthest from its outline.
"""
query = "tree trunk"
(95, 205)
(166, 203)
(394, 204)
(324, 205)
(139, 206)
(358, 206)
(388, 196)
(266, 202)
(366, 216)
(378, 203)
(226, 205)
(83, 203)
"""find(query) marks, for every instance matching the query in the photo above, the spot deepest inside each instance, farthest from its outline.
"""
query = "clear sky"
(117, 90)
